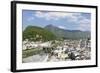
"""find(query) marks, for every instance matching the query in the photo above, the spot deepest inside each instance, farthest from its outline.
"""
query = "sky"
(63, 20)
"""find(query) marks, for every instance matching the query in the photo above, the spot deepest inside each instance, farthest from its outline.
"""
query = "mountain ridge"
(35, 33)
(50, 25)
(73, 34)
(51, 32)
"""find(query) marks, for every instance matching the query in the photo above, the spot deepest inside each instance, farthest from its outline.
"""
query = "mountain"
(68, 34)
(37, 33)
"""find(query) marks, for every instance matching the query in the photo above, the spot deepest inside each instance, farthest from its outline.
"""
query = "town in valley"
(54, 36)
(62, 50)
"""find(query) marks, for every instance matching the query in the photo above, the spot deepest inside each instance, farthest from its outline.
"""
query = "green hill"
(68, 34)
(34, 33)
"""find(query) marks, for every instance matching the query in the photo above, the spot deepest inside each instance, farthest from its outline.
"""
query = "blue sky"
(63, 20)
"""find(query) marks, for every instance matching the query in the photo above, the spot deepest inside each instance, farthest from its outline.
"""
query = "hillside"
(35, 33)
(68, 34)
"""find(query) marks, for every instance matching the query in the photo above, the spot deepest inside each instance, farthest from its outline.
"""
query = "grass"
(30, 52)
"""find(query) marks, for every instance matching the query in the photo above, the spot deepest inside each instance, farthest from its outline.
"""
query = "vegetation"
(50, 32)
(34, 33)
(30, 52)
(68, 34)
(34, 51)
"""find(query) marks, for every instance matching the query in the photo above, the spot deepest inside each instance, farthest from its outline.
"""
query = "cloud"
(62, 27)
(85, 25)
(56, 15)
(80, 21)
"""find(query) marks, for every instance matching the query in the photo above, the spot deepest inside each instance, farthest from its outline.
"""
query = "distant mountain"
(37, 33)
(68, 34)
(51, 32)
